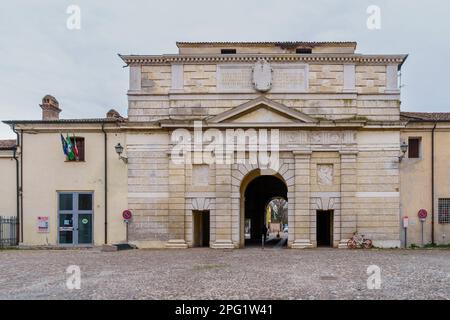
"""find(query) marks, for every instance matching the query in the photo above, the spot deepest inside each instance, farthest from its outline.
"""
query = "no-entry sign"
(127, 215)
(423, 214)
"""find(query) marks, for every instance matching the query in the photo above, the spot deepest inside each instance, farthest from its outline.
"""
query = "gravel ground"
(239, 274)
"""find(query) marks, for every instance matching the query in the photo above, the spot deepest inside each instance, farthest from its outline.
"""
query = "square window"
(77, 144)
(65, 201)
(84, 201)
(414, 148)
(444, 210)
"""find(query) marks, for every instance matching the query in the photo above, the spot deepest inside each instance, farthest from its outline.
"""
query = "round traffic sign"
(422, 214)
(127, 214)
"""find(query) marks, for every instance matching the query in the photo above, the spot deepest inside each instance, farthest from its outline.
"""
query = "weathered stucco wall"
(416, 182)
(45, 172)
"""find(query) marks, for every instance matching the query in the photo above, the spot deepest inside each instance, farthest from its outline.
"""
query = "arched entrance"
(257, 194)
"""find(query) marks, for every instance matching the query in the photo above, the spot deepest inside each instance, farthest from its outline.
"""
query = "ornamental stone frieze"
(332, 137)
(317, 137)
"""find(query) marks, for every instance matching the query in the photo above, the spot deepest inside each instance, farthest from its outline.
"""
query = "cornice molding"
(274, 58)
(261, 102)
(269, 125)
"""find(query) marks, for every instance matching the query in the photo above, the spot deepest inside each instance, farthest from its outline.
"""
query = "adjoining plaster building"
(332, 117)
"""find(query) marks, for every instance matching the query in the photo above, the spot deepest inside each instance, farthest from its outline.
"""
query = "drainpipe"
(17, 185)
(106, 182)
(432, 183)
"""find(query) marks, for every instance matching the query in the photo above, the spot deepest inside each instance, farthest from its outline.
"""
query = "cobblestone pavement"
(240, 274)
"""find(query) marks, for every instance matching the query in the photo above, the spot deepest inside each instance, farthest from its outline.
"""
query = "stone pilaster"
(302, 235)
(223, 208)
(349, 185)
(177, 188)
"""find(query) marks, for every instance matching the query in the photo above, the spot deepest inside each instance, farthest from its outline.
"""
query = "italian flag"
(75, 148)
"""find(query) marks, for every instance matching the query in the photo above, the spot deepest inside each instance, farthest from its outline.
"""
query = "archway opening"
(266, 212)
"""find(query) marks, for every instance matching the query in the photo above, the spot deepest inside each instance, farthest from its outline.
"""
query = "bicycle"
(358, 241)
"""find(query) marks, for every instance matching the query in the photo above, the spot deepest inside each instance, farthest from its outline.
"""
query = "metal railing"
(8, 232)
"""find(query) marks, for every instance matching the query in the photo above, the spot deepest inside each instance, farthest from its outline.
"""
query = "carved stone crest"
(262, 76)
(324, 174)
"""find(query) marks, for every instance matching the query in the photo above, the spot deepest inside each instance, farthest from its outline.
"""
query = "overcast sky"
(39, 55)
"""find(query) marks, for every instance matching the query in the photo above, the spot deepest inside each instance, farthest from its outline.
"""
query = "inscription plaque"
(236, 78)
(275, 78)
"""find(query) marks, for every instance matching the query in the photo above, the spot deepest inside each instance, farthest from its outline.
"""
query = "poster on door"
(42, 225)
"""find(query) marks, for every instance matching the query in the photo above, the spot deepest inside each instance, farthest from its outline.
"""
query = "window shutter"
(80, 146)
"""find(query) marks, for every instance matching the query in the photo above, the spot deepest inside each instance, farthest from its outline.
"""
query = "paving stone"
(219, 274)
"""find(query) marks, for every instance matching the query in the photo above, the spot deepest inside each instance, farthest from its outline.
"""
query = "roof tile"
(269, 43)
(7, 144)
(425, 116)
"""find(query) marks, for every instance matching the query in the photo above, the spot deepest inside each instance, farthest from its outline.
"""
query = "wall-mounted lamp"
(403, 149)
(119, 151)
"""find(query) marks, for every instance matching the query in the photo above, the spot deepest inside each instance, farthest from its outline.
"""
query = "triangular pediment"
(262, 110)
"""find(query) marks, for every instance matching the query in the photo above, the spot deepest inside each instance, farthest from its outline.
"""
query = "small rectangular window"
(414, 148)
(85, 201)
(303, 50)
(78, 152)
(65, 201)
(444, 210)
(228, 51)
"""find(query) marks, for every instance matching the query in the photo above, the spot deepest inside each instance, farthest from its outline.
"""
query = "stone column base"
(301, 244)
(343, 244)
(176, 244)
(222, 244)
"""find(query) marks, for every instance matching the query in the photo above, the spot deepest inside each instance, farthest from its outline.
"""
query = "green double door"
(75, 217)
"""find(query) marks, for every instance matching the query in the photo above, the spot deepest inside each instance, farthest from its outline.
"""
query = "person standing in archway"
(264, 232)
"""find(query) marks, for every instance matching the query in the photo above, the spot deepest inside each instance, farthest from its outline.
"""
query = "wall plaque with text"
(286, 78)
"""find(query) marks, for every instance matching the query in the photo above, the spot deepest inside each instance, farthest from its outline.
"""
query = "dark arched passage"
(259, 192)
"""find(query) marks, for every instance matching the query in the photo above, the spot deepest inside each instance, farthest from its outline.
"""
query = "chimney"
(50, 108)
(113, 114)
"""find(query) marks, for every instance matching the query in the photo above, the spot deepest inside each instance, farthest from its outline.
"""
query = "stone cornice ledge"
(385, 125)
(317, 58)
(348, 152)
(302, 152)
(264, 125)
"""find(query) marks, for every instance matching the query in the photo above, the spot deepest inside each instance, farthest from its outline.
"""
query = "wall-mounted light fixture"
(119, 151)
(403, 149)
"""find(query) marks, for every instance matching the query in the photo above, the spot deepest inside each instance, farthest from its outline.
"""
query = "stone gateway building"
(312, 123)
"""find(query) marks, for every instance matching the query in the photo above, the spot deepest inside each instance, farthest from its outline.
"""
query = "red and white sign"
(42, 224)
(405, 222)
(127, 215)
(422, 214)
